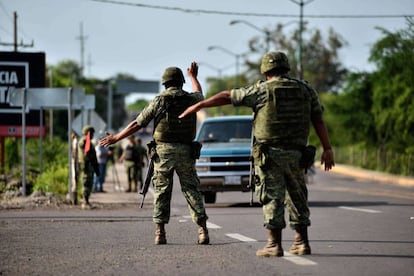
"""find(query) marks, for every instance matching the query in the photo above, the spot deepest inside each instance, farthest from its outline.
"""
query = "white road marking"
(287, 256)
(209, 224)
(297, 260)
(212, 226)
(240, 237)
(360, 209)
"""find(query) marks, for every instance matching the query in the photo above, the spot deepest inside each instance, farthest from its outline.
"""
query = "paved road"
(359, 227)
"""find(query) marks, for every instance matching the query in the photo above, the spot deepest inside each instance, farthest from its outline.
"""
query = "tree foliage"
(67, 73)
(376, 107)
(320, 57)
(394, 87)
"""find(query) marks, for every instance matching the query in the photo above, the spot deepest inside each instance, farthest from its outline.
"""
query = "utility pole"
(300, 64)
(82, 39)
(15, 44)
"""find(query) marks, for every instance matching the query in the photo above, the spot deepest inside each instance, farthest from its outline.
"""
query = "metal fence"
(376, 159)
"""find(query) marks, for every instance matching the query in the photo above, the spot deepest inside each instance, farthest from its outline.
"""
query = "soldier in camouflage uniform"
(174, 150)
(284, 108)
(142, 154)
(130, 157)
(87, 163)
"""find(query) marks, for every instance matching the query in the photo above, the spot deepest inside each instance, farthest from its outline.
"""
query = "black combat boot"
(160, 234)
(273, 248)
(74, 198)
(301, 244)
(203, 237)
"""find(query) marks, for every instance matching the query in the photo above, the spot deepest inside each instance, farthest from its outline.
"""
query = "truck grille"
(230, 163)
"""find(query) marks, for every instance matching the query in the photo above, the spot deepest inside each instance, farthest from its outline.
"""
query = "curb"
(386, 178)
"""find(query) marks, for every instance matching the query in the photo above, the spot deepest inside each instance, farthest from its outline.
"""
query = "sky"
(143, 41)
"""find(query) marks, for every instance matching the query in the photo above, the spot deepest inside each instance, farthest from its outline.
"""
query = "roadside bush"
(54, 179)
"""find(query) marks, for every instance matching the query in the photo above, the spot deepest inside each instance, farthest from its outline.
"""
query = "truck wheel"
(210, 197)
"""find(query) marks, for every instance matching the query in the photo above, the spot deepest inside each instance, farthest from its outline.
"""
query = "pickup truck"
(224, 163)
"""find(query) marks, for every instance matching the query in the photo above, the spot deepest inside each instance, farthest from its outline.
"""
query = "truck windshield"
(226, 131)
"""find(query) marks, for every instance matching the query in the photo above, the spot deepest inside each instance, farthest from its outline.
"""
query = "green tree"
(320, 56)
(393, 89)
(371, 120)
(137, 106)
(217, 85)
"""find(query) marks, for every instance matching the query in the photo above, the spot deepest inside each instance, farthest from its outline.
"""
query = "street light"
(219, 70)
(237, 56)
(264, 31)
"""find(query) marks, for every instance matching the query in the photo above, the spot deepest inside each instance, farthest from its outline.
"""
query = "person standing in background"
(103, 155)
(142, 154)
(75, 168)
(129, 157)
(88, 164)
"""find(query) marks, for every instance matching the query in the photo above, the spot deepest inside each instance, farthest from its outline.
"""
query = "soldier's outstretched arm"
(110, 139)
(219, 99)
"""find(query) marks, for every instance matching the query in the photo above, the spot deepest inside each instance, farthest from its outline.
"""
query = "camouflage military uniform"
(283, 109)
(281, 128)
(174, 153)
(88, 164)
(142, 154)
(130, 156)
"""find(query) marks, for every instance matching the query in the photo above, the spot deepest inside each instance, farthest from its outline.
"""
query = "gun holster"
(152, 149)
(196, 149)
(308, 157)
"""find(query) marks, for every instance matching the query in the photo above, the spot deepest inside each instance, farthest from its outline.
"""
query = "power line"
(202, 11)
(15, 44)
(21, 31)
(5, 11)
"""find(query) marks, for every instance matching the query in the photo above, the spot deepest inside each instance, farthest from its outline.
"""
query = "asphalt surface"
(352, 233)
(117, 178)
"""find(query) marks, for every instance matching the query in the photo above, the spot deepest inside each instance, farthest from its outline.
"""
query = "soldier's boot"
(134, 187)
(74, 198)
(160, 234)
(301, 244)
(203, 237)
(273, 248)
(86, 204)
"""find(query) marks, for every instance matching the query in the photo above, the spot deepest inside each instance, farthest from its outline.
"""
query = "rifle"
(252, 172)
(150, 172)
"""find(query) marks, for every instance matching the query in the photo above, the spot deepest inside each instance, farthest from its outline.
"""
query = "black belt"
(284, 146)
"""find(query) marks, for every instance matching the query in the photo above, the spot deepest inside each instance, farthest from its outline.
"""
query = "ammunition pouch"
(308, 157)
(195, 149)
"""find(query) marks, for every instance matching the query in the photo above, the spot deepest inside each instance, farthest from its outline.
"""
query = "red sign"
(16, 131)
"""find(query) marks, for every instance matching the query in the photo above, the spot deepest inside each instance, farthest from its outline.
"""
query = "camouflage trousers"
(132, 173)
(176, 157)
(86, 179)
(278, 174)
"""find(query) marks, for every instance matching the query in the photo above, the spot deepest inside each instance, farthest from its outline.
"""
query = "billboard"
(20, 70)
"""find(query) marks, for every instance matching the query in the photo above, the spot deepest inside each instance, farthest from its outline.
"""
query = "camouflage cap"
(87, 128)
(173, 73)
(273, 60)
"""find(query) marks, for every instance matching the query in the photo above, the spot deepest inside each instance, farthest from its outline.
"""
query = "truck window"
(219, 132)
